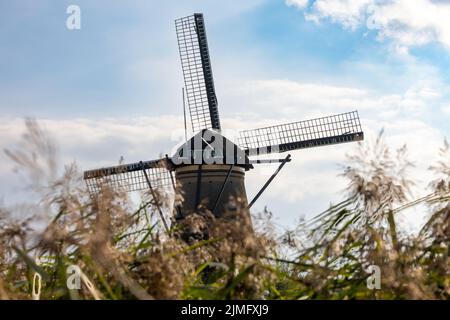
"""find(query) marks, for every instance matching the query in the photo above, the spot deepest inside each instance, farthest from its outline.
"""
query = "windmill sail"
(340, 128)
(130, 177)
(197, 72)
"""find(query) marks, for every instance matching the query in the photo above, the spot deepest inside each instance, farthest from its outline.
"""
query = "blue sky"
(113, 88)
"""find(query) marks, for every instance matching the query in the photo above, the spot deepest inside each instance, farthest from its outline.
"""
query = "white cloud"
(402, 52)
(446, 109)
(350, 13)
(297, 3)
(290, 100)
(406, 22)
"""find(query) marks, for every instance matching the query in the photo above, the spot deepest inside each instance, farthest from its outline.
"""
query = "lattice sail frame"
(130, 177)
(340, 128)
(197, 72)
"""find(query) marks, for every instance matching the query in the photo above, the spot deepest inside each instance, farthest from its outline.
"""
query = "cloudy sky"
(113, 88)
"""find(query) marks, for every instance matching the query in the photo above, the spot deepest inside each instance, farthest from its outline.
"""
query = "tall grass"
(123, 253)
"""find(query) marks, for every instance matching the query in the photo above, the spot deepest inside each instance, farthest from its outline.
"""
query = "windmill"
(209, 168)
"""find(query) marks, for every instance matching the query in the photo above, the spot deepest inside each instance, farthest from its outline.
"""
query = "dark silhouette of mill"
(208, 169)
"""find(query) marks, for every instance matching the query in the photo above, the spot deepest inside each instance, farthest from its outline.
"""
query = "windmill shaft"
(223, 188)
(287, 159)
(339, 128)
(197, 72)
(155, 198)
(207, 71)
(130, 177)
(306, 144)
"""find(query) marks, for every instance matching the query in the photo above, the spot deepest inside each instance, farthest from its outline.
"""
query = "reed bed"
(120, 252)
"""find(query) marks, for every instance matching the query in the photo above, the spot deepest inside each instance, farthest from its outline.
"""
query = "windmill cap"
(210, 147)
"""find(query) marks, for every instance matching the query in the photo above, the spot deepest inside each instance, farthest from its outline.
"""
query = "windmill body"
(209, 169)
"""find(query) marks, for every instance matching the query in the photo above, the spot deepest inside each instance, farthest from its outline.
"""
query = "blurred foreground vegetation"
(123, 253)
